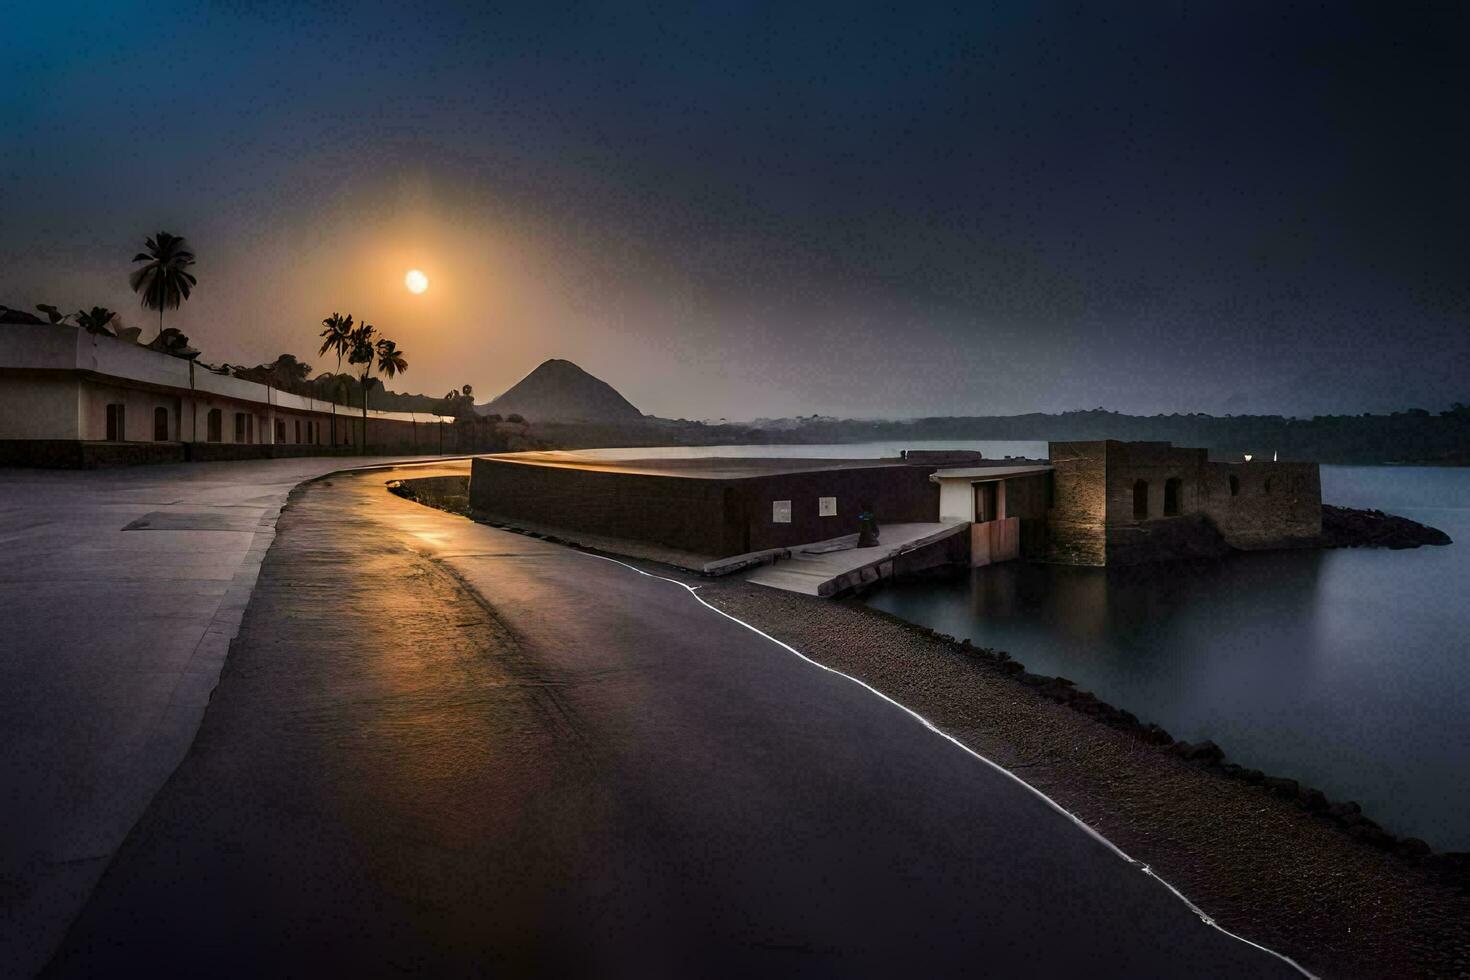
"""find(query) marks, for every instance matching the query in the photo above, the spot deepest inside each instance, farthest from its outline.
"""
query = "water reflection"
(1344, 669)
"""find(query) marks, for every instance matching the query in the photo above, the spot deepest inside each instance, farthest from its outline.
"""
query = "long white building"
(72, 398)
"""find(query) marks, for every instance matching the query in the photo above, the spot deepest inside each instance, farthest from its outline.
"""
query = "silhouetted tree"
(165, 281)
(285, 373)
(367, 346)
(361, 353)
(391, 363)
(337, 338)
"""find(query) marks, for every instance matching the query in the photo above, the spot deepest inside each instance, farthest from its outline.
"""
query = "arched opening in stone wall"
(1270, 484)
(1234, 485)
(1173, 489)
(1140, 500)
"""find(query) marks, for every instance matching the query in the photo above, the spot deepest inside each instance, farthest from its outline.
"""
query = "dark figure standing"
(867, 527)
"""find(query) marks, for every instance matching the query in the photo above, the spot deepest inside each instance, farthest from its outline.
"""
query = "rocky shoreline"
(1452, 866)
(1349, 527)
(1272, 859)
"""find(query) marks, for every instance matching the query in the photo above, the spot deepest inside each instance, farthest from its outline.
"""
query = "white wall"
(138, 406)
(956, 500)
(24, 345)
(68, 408)
(39, 408)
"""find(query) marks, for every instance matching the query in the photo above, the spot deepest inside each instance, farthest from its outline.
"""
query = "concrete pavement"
(121, 591)
(476, 752)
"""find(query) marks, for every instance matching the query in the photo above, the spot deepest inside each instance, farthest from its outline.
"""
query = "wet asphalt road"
(586, 772)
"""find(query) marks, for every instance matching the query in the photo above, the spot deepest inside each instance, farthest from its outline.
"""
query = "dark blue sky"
(745, 209)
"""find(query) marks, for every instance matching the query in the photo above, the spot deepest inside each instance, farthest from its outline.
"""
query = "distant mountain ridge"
(560, 391)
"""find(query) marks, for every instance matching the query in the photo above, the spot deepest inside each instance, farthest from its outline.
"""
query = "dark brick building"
(1118, 503)
(713, 507)
(1096, 503)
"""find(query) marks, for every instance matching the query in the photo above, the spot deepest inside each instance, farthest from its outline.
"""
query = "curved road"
(586, 771)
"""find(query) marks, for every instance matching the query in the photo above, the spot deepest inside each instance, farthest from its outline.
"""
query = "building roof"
(695, 468)
(988, 472)
(64, 347)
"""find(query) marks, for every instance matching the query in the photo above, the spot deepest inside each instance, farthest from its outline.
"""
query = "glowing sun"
(416, 281)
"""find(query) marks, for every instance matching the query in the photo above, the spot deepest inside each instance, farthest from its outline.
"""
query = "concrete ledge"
(736, 563)
(821, 569)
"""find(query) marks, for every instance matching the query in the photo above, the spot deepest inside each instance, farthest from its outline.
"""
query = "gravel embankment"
(1264, 859)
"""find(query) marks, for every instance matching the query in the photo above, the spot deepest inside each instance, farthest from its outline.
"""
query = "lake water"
(1348, 670)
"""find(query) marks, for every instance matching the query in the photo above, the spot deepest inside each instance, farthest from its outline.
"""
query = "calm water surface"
(1348, 670)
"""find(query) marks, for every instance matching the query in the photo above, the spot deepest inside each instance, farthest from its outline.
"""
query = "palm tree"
(362, 353)
(391, 363)
(336, 337)
(166, 279)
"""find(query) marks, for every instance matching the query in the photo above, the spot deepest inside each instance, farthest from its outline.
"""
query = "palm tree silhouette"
(336, 337)
(391, 361)
(166, 279)
(362, 354)
(365, 346)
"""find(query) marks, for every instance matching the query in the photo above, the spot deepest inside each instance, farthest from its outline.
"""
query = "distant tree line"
(1415, 435)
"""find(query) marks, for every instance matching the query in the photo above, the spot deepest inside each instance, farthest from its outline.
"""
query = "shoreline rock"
(1451, 867)
(1349, 527)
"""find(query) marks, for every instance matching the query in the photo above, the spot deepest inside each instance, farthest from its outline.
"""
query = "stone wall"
(73, 454)
(1270, 505)
(1132, 502)
(1076, 531)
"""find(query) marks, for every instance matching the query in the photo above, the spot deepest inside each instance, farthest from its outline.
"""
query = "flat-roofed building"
(711, 507)
(72, 398)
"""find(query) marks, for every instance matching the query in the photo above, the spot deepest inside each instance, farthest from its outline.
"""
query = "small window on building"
(1270, 484)
(780, 512)
(1140, 500)
(160, 424)
(117, 429)
(298, 430)
(280, 430)
(242, 427)
(214, 425)
(826, 506)
(1234, 485)
(1173, 489)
